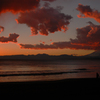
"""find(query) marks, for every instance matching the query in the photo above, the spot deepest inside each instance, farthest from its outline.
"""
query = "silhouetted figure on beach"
(97, 75)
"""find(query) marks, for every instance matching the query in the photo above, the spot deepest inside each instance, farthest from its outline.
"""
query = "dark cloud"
(88, 38)
(1, 29)
(70, 45)
(45, 20)
(12, 38)
(88, 35)
(37, 46)
(54, 45)
(16, 6)
(86, 11)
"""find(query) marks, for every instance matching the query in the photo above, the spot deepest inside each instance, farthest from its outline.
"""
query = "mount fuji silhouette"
(94, 54)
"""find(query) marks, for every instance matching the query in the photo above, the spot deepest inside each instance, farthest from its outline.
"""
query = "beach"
(83, 86)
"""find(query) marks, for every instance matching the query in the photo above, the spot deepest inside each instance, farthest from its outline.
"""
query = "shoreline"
(86, 86)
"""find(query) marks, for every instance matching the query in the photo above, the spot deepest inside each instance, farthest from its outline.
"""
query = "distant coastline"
(49, 57)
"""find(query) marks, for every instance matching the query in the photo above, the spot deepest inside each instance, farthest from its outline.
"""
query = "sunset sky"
(53, 27)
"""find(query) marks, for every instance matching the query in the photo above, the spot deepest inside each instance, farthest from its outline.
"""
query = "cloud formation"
(12, 38)
(37, 46)
(1, 29)
(88, 38)
(45, 20)
(86, 11)
(16, 6)
(54, 45)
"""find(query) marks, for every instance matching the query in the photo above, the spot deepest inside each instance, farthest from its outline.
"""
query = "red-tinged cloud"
(45, 20)
(12, 38)
(86, 11)
(16, 6)
(1, 29)
(49, 0)
(90, 33)
(88, 38)
(70, 45)
(55, 45)
(50, 39)
(37, 46)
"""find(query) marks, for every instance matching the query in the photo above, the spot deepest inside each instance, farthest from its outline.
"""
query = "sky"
(53, 27)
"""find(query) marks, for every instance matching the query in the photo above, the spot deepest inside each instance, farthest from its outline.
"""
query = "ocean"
(24, 71)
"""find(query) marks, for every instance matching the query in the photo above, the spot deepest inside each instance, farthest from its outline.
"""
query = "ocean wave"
(30, 73)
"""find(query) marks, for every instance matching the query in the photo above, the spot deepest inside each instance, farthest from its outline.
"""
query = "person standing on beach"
(97, 75)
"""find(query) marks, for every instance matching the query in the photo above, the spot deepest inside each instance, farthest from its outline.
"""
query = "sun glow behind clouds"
(61, 44)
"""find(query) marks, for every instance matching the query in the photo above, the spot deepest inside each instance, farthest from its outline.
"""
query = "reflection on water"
(17, 71)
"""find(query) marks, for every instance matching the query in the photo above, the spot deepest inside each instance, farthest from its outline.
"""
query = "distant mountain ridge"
(35, 57)
(94, 55)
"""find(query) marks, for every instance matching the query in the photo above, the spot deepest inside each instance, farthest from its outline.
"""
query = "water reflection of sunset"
(19, 71)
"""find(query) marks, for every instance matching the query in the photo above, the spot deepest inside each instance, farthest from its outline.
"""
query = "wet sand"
(86, 86)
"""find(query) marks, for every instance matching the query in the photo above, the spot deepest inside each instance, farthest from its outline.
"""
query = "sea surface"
(23, 71)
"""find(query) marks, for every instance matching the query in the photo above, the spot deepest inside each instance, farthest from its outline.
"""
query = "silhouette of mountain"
(36, 57)
(94, 55)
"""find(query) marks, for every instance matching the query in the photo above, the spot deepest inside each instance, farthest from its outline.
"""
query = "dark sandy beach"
(87, 86)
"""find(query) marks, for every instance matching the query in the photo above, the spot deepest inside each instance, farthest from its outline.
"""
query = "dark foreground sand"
(89, 86)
